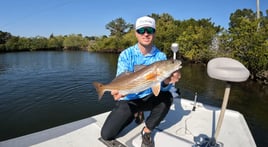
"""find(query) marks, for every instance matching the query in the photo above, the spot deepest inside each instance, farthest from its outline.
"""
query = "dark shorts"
(123, 113)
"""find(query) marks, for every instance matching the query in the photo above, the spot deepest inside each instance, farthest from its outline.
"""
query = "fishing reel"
(204, 141)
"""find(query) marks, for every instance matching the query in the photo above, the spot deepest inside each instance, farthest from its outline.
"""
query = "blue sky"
(31, 18)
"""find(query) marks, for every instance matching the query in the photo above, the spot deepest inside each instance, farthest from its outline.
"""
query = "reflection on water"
(40, 90)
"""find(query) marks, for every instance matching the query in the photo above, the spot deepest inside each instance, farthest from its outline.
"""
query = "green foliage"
(248, 40)
(118, 27)
(113, 44)
(128, 39)
(55, 42)
(166, 33)
(4, 36)
(108, 44)
(24, 44)
(74, 42)
(12, 44)
(196, 38)
(38, 43)
(239, 15)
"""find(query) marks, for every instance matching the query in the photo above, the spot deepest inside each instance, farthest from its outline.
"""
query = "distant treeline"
(246, 40)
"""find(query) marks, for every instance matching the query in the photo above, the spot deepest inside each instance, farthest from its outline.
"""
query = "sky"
(32, 18)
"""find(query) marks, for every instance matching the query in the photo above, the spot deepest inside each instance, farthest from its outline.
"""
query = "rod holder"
(174, 48)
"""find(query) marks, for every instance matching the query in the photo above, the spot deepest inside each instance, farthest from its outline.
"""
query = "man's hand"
(175, 77)
(116, 94)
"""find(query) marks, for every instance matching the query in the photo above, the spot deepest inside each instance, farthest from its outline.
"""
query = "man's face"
(145, 35)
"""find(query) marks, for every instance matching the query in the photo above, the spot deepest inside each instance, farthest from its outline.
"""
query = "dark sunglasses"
(149, 30)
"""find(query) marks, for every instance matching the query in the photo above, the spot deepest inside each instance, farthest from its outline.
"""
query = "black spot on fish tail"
(99, 88)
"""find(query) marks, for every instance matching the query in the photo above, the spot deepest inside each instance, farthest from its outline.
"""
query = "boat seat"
(227, 69)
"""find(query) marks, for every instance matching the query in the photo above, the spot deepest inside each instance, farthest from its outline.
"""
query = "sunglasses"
(149, 30)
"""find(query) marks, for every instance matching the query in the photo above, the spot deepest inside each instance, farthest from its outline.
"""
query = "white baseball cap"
(145, 21)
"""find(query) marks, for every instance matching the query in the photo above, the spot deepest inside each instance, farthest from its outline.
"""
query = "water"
(40, 90)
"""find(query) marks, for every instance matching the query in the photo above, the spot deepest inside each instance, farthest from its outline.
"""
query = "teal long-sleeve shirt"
(131, 57)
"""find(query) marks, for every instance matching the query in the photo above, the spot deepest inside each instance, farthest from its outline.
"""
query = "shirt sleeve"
(165, 87)
(123, 64)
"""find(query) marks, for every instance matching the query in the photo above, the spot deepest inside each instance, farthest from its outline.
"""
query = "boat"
(189, 123)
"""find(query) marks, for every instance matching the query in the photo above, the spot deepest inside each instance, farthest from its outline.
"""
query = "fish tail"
(99, 88)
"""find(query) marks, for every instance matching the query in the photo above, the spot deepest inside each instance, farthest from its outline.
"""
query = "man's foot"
(112, 143)
(139, 117)
(147, 140)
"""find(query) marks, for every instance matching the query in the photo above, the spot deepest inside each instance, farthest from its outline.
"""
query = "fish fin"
(152, 76)
(156, 89)
(122, 75)
(99, 88)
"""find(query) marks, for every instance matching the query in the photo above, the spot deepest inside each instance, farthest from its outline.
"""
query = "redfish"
(149, 76)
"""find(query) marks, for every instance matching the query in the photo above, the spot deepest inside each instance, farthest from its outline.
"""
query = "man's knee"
(106, 134)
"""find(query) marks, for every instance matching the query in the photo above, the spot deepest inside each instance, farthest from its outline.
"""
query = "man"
(142, 53)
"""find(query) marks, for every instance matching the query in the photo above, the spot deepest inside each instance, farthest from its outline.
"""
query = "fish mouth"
(178, 62)
(175, 61)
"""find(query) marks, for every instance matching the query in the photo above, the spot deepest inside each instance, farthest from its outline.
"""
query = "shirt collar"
(152, 52)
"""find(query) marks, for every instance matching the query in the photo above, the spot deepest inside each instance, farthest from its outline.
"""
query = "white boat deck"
(182, 127)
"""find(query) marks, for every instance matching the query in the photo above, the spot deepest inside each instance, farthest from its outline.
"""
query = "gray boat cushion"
(227, 69)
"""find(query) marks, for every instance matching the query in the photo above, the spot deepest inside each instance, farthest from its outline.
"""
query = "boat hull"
(181, 127)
